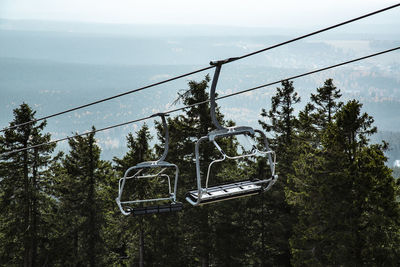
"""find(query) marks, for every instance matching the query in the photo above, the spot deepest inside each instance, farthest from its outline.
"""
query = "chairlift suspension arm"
(218, 65)
(165, 126)
(212, 96)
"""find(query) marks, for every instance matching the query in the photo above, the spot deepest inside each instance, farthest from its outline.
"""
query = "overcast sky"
(253, 13)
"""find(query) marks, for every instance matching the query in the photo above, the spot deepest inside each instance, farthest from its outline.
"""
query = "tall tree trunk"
(205, 251)
(92, 213)
(205, 261)
(329, 110)
(27, 215)
(262, 232)
(141, 244)
(76, 244)
(34, 209)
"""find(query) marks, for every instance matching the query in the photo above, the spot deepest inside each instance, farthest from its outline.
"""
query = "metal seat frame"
(139, 168)
(205, 195)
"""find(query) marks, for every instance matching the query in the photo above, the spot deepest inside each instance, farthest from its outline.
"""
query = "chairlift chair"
(205, 194)
(130, 205)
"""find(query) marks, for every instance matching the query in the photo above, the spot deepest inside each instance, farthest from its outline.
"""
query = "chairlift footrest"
(173, 207)
(226, 191)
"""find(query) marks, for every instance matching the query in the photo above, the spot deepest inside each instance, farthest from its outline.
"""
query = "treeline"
(334, 203)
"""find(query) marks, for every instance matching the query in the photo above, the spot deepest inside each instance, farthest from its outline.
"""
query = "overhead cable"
(203, 69)
(107, 99)
(206, 101)
(310, 72)
(320, 31)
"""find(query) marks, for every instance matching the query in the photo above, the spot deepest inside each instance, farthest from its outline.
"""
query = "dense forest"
(335, 203)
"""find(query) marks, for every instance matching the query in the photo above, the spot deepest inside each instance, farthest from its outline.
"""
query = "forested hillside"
(334, 203)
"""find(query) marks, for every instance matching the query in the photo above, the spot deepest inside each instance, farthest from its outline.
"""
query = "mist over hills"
(355, 31)
(57, 65)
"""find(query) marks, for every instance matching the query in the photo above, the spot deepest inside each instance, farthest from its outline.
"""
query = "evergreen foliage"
(337, 190)
(335, 203)
(282, 123)
(24, 203)
(325, 103)
(81, 178)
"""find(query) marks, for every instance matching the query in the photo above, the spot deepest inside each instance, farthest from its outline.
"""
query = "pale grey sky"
(253, 13)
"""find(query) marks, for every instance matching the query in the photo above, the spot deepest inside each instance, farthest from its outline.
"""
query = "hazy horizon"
(284, 13)
(46, 63)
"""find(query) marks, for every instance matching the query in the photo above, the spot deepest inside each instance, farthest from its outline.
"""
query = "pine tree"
(138, 150)
(281, 116)
(372, 191)
(23, 201)
(311, 174)
(81, 206)
(325, 103)
(378, 223)
(319, 113)
(283, 125)
(320, 193)
(341, 189)
(306, 130)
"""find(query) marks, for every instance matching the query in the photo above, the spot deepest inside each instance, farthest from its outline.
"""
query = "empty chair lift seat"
(150, 170)
(224, 192)
(172, 207)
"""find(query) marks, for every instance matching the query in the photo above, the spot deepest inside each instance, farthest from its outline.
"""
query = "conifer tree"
(81, 207)
(138, 150)
(325, 103)
(282, 123)
(319, 113)
(305, 129)
(310, 174)
(378, 213)
(340, 190)
(281, 116)
(23, 202)
(320, 194)
(372, 193)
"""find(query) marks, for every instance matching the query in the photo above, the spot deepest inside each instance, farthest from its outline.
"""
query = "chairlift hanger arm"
(218, 64)
(165, 126)
(212, 97)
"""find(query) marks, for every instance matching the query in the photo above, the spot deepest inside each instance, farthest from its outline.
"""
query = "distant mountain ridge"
(161, 30)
